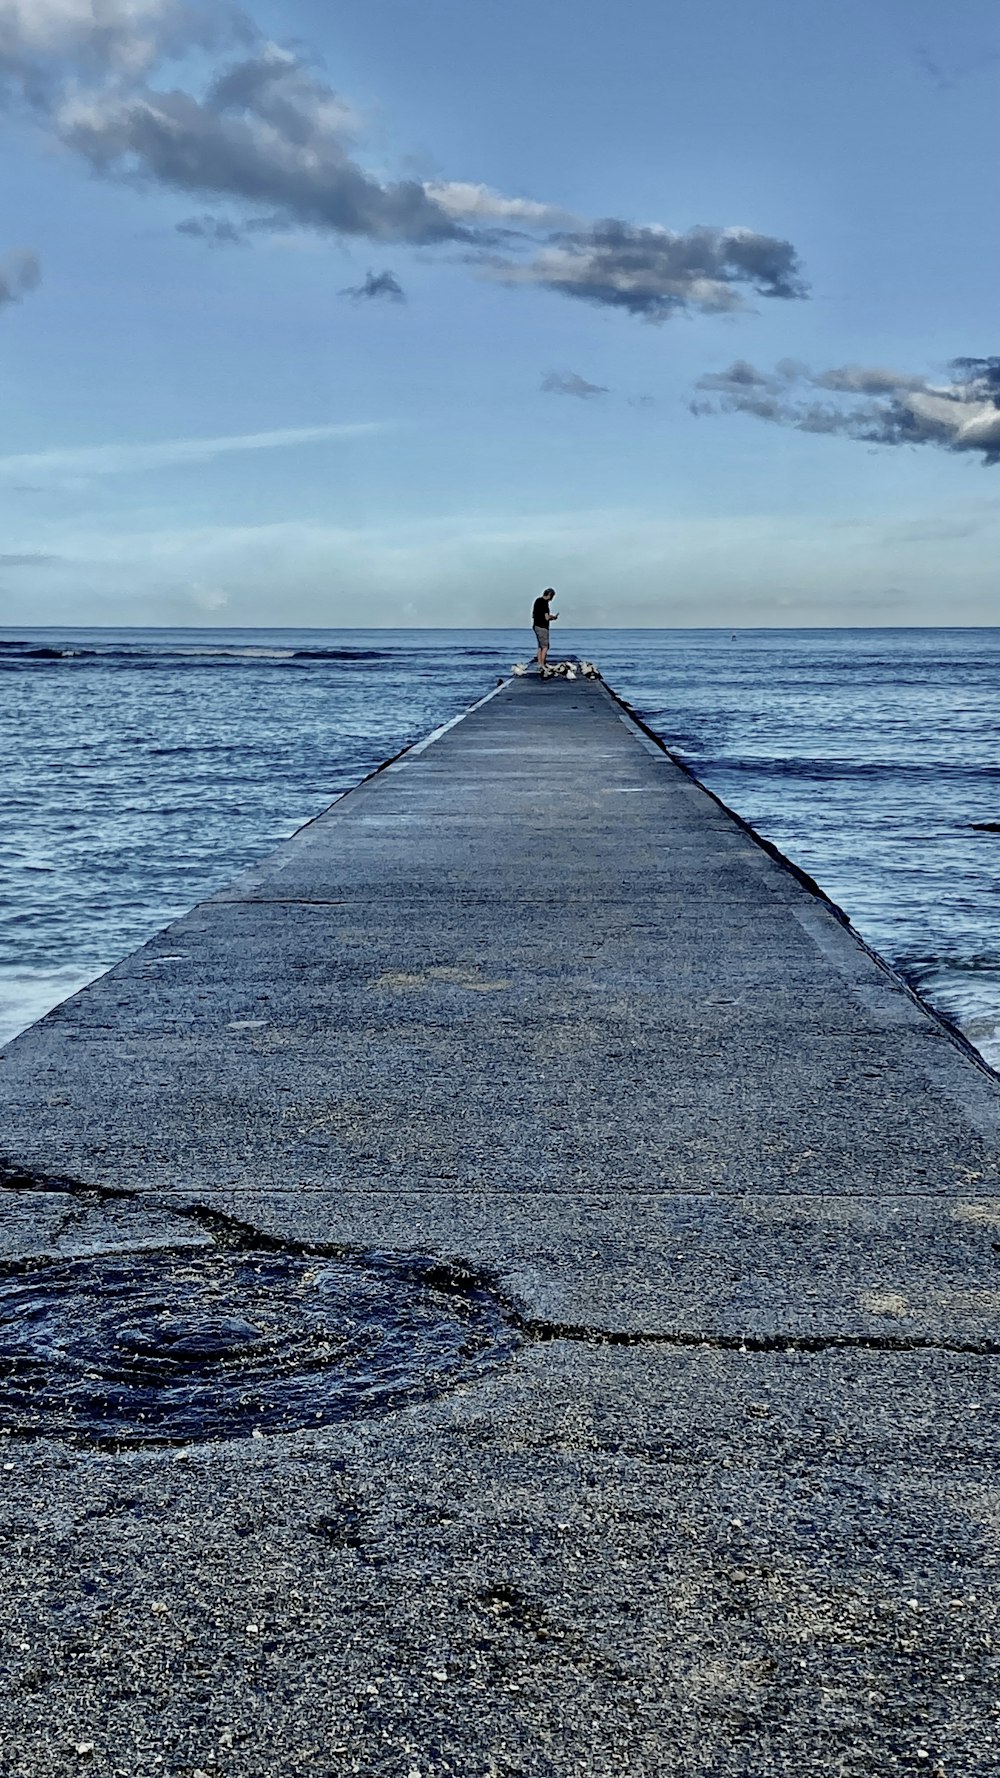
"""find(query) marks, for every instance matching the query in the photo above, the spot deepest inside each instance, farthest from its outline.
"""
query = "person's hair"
(549, 593)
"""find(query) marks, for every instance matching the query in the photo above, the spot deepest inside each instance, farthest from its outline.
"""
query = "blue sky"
(376, 313)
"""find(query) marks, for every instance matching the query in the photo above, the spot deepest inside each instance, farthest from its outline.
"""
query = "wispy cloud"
(132, 459)
(19, 273)
(567, 382)
(377, 286)
(946, 72)
(874, 405)
(264, 134)
(33, 559)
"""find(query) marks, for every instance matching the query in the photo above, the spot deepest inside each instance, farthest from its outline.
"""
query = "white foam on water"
(26, 995)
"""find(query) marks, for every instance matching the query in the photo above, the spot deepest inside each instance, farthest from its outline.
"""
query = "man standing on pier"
(541, 617)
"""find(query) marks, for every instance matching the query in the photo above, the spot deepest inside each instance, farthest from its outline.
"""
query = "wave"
(199, 747)
(13, 652)
(23, 651)
(825, 770)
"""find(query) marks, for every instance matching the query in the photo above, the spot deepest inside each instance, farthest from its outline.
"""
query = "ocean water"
(141, 769)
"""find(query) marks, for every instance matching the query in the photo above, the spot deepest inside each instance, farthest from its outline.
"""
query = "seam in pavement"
(16, 1179)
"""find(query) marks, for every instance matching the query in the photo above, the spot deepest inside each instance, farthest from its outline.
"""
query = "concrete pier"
(531, 1005)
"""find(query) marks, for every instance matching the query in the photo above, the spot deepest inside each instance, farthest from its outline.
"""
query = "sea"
(141, 769)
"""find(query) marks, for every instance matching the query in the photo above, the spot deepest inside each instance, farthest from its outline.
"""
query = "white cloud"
(479, 203)
(121, 37)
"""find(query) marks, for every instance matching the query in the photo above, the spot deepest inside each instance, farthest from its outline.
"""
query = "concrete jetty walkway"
(723, 1496)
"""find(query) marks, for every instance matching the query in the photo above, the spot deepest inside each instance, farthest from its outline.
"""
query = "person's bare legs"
(543, 649)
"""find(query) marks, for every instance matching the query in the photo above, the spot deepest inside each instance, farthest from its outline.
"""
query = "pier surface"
(721, 1497)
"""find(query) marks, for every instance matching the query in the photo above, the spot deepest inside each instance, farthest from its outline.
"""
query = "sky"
(368, 313)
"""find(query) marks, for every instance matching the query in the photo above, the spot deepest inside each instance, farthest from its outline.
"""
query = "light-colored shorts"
(541, 636)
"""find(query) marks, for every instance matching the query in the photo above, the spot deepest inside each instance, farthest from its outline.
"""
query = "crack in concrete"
(19, 1179)
(466, 1279)
(547, 1331)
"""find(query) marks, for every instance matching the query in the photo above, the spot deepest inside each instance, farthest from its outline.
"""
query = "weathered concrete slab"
(530, 1005)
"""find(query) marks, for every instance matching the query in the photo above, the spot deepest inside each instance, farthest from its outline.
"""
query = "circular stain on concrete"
(174, 1346)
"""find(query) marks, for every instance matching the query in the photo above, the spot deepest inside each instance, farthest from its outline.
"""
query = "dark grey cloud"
(855, 379)
(377, 287)
(739, 376)
(982, 373)
(567, 382)
(218, 231)
(265, 131)
(654, 273)
(877, 406)
(20, 273)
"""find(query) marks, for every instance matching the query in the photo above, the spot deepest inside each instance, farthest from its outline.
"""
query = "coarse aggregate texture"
(528, 1010)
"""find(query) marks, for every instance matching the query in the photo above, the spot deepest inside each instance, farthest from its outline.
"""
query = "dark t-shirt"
(540, 614)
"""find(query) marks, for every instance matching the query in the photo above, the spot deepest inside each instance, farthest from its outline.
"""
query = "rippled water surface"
(123, 1349)
(142, 769)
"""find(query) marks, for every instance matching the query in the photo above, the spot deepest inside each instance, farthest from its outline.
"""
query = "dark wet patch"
(342, 1529)
(170, 1347)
